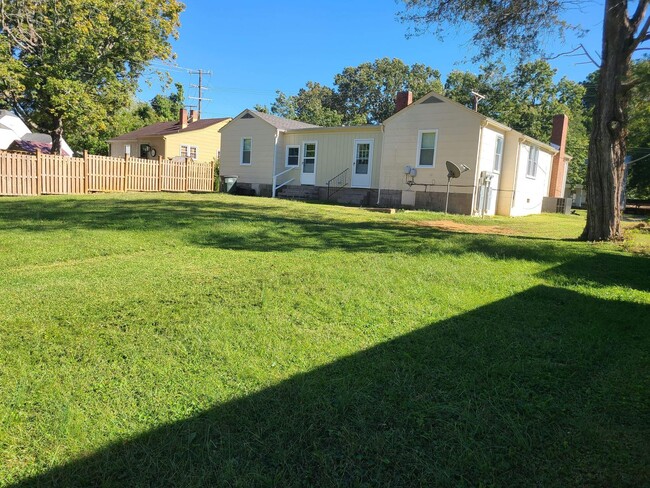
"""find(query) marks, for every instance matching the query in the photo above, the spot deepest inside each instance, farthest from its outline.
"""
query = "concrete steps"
(299, 193)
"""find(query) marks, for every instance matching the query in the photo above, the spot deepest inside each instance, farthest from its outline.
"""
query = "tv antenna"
(477, 98)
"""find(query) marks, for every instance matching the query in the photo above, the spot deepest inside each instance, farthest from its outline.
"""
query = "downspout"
(275, 160)
(379, 165)
(475, 191)
(514, 182)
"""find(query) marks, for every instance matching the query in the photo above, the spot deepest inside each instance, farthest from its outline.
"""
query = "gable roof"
(282, 123)
(167, 128)
(440, 98)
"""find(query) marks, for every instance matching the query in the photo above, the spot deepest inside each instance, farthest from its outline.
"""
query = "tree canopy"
(520, 26)
(363, 94)
(74, 63)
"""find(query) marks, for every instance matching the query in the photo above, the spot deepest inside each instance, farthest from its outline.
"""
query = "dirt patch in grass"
(451, 226)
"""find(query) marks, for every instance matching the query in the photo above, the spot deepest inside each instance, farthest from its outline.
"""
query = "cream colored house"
(198, 139)
(399, 163)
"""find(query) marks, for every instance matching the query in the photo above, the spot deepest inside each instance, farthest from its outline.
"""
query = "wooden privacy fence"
(45, 174)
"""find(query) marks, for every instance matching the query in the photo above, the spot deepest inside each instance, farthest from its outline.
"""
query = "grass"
(188, 340)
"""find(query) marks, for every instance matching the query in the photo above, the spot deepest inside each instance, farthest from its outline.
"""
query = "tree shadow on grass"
(539, 388)
(267, 228)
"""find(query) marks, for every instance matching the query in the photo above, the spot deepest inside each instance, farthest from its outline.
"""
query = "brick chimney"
(194, 116)
(403, 100)
(182, 116)
(558, 169)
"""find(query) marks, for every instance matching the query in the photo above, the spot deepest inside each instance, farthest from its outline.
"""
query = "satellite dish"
(407, 170)
(455, 170)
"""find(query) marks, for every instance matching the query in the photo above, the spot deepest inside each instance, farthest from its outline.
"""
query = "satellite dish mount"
(454, 171)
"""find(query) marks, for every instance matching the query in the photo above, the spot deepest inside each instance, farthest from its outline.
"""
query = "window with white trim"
(127, 149)
(309, 157)
(246, 149)
(188, 151)
(427, 141)
(498, 154)
(533, 159)
(293, 155)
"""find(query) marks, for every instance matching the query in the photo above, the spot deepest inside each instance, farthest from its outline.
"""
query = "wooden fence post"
(160, 168)
(86, 171)
(39, 175)
(186, 173)
(126, 166)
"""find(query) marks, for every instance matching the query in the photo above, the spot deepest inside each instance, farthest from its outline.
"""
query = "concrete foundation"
(459, 203)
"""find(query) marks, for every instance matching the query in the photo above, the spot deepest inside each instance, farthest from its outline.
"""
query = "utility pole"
(200, 86)
(477, 98)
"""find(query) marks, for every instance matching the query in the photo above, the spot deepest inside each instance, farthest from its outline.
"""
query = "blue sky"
(255, 47)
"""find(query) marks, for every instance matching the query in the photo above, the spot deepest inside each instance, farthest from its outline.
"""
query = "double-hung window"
(246, 149)
(309, 157)
(188, 151)
(427, 141)
(533, 159)
(498, 154)
(293, 156)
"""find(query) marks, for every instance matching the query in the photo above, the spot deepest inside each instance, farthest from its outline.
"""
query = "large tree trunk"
(57, 135)
(607, 147)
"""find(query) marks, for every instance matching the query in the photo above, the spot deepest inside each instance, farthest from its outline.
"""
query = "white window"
(427, 141)
(293, 155)
(498, 154)
(188, 151)
(309, 157)
(533, 158)
(127, 149)
(246, 149)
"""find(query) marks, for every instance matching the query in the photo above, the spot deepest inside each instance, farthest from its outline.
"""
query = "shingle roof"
(166, 128)
(282, 123)
(31, 147)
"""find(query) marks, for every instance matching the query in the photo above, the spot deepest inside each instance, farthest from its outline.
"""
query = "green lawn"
(212, 340)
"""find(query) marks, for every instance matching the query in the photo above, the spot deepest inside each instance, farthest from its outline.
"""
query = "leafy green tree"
(520, 26)
(527, 99)
(363, 94)
(369, 90)
(168, 107)
(72, 64)
(638, 183)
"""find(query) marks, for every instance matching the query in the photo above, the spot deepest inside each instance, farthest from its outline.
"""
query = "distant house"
(15, 136)
(401, 162)
(198, 139)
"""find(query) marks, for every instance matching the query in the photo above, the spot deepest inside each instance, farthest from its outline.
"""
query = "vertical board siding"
(26, 174)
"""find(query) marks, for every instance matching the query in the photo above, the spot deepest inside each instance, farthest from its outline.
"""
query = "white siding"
(260, 171)
(529, 192)
(458, 139)
(335, 150)
(486, 163)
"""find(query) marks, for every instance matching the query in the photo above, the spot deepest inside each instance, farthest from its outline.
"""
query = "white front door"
(362, 163)
(308, 167)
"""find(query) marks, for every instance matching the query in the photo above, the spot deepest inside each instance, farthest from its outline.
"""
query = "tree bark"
(57, 136)
(607, 146)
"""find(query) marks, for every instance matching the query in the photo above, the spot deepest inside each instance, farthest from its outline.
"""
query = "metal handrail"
(341, 180)
(275, 180)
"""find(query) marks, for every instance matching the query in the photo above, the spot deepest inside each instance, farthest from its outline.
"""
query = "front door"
(308, 169)
(362, 163)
